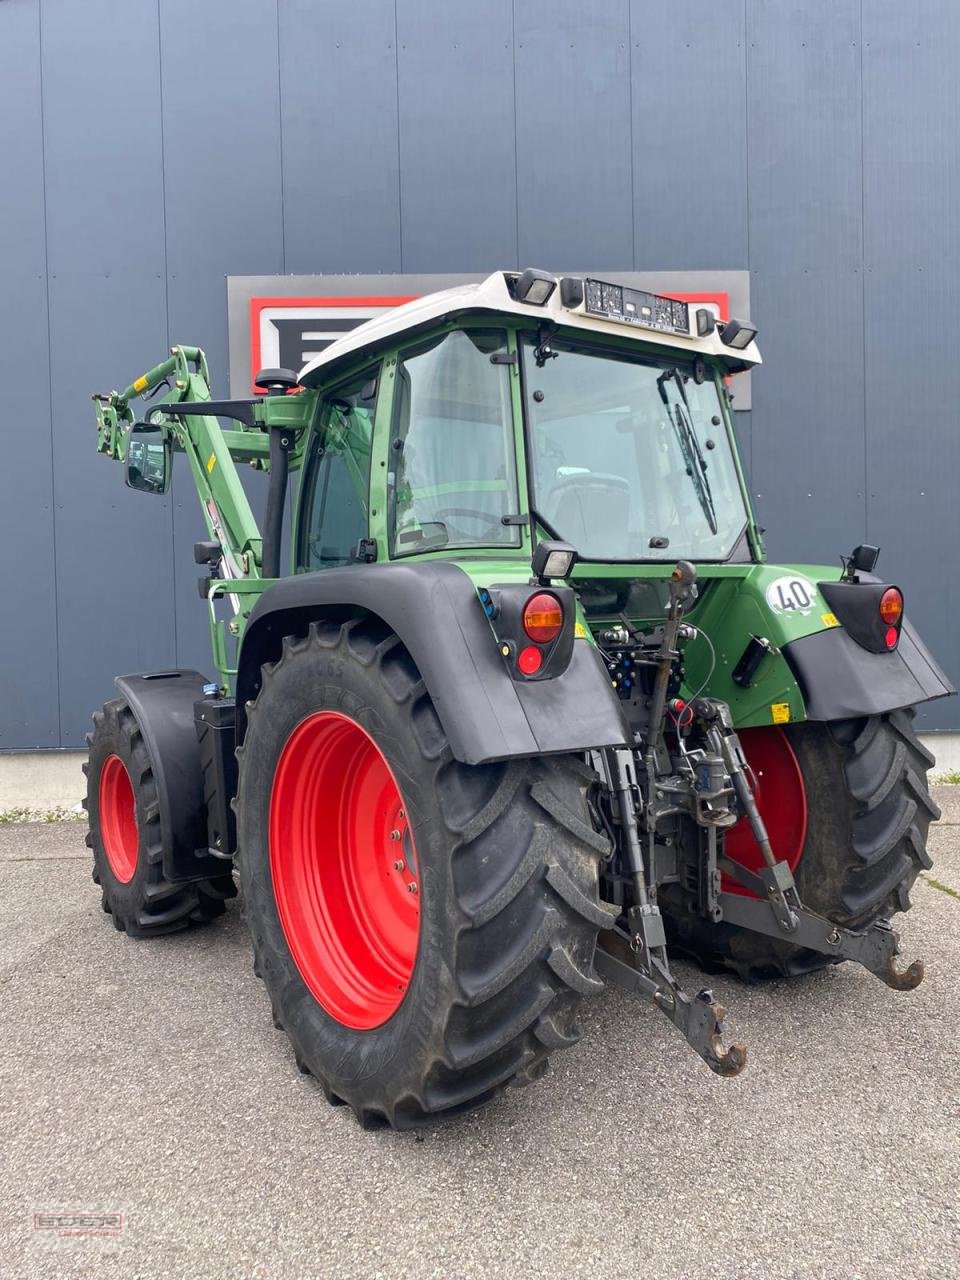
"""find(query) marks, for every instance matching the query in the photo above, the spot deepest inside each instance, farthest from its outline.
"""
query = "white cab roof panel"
(492, 296)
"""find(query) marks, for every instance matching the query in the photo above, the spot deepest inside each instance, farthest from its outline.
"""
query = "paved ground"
(146, 1078)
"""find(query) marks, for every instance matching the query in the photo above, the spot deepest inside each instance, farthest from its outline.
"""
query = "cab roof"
(495, 296)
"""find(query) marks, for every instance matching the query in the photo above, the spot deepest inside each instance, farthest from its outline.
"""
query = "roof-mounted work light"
(737, 334)
(534, 287)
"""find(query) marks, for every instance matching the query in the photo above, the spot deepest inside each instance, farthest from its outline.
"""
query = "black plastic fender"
(434, 609)
(840, 679)
(163, 705)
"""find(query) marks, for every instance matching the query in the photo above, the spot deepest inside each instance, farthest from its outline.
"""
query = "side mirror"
(149, 457)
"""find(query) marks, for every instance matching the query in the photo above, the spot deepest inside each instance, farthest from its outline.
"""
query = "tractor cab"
(491, 416)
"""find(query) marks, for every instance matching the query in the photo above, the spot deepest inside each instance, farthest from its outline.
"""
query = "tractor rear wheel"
(847, 805)
(126, 839)
(425, 929)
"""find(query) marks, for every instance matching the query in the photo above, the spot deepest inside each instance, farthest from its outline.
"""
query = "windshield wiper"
(689, 444)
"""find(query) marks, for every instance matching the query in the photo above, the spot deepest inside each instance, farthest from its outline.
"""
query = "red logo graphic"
(287, 332)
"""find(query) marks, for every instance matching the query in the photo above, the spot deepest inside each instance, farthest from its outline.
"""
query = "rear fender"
(815, 668)
(434, 609)
(840, 679)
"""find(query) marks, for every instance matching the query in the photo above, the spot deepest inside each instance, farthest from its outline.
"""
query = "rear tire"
(505, 859)
(125, 836)
(868, 813)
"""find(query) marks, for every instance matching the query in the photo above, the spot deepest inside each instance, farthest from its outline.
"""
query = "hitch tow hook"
(699, 1020)
(876, 947)
(901, 979)
(883, 953)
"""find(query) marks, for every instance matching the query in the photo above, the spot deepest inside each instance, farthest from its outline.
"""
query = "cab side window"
(337, 478)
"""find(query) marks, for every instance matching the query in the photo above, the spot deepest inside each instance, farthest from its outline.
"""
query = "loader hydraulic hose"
(276, 494)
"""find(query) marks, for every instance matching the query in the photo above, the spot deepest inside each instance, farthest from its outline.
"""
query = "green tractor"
(529, 713)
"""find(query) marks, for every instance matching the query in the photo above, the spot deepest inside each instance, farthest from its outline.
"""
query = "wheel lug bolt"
(398, 865)
(394, 835)
(401, 814)
(412, 887)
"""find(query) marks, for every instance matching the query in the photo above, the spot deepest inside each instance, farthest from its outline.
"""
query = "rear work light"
(543, 617)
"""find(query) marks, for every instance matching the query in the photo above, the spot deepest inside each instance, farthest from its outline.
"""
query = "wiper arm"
(689, 444)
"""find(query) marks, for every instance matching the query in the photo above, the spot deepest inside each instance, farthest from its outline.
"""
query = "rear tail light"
(530, 660)
(891, 611)
(542, 618)
(891, 606)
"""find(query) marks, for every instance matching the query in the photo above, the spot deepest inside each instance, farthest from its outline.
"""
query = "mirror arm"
(239, 410)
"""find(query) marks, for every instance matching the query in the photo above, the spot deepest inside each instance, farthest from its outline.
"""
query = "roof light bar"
(627, 306)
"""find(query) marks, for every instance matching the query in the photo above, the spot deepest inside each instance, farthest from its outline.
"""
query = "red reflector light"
(891, 606)
(892, 636)
(543, 617)
(530, 660)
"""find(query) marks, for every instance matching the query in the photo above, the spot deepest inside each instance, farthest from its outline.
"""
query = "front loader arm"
(212, 452)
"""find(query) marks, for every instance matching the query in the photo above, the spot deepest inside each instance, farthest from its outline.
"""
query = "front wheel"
(847, 806)
(125, 835)
(425, 929)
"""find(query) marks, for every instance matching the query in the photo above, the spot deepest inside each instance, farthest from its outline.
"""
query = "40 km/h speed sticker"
(792, 594)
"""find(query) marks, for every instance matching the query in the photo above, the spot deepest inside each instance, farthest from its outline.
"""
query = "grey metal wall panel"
(803, 105)
(574, 173)
(911, 101)
(458, 181)
(223, 205)
(102, 137)
(807, 463)
(29, 711)
(814, 144)
(341, 183)
(688, 75)
(114, 546)
(803, 113)
(107, 320)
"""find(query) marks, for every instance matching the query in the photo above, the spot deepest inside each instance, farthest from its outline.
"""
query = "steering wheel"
(492, 523)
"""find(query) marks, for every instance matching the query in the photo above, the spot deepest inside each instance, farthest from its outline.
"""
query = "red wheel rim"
(781, 799)
(343, 862)
(118, 819)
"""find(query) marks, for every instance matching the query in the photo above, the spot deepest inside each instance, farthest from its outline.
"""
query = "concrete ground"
(146, 1079)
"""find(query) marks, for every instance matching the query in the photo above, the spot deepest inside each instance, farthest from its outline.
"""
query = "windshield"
(630, 461)
(452, 474)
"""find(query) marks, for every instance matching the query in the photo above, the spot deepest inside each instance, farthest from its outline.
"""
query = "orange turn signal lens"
(891, 606)
(543, 617)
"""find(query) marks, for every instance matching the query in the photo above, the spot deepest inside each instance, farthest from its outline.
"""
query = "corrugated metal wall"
(148, 149)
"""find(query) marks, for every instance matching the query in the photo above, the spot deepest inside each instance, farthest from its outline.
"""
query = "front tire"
(123, 811)
(868, 810)
(408, 1015)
